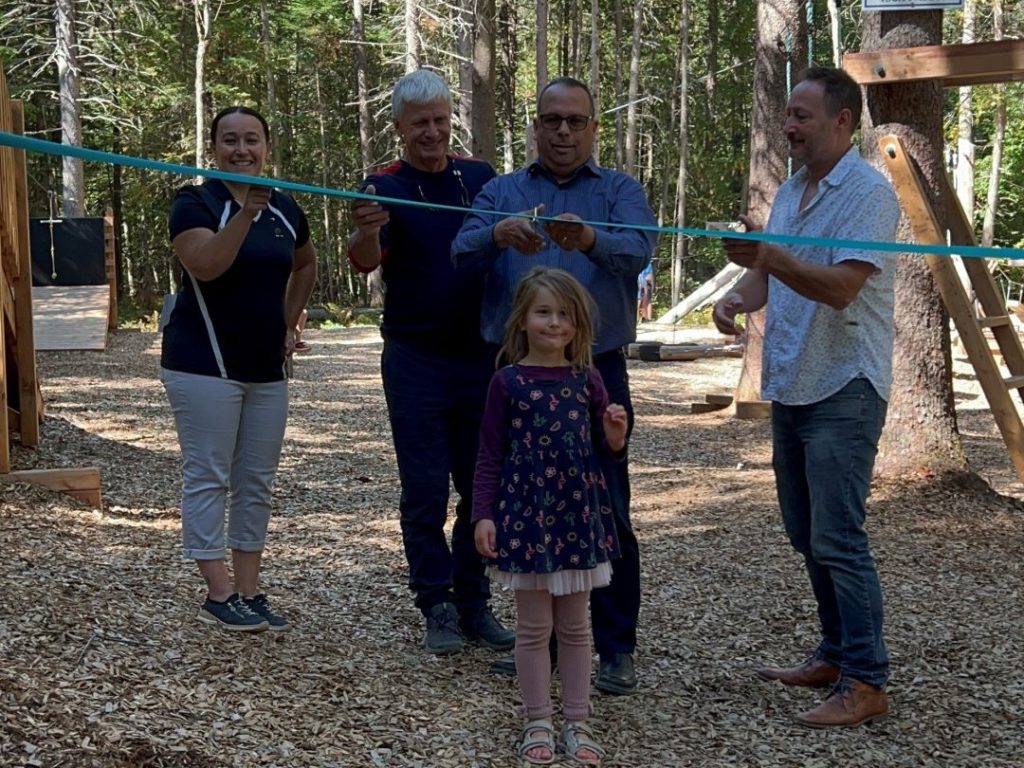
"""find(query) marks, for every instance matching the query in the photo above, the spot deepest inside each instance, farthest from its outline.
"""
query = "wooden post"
(109, 256)
(29, 398)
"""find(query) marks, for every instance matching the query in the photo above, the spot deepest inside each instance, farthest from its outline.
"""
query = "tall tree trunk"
(679, 262)
(634, 88)
(204, 24)
(483, 82)
(711, 80)
(595, 67)
(781, 51)
(362, 91)
(413, 44)
(374, 280)
(837, 39)
(73, 171)
(329, 254)
(620, 136)
(510, 68)
(464, 46)
(267, 44)
(988, 227)
(921, 433)
(965, 127)
(542, 44)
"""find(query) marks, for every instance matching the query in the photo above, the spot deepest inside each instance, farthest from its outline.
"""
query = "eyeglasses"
(553, 122)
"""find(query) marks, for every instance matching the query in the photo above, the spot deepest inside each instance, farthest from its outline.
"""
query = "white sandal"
(531, 740)
(578, 736)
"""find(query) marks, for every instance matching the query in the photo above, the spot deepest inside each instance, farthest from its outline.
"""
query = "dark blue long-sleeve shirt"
(608, 272)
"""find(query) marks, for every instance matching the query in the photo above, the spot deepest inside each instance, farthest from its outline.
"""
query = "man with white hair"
(435, 366)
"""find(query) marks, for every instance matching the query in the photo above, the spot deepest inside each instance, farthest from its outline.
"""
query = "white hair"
(419, 87)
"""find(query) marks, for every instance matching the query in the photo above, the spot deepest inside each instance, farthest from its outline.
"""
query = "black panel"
(77, 257)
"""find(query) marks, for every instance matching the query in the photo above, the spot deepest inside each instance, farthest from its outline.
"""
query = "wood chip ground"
(102, 662)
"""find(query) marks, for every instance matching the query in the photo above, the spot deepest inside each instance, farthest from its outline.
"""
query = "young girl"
(540, 503)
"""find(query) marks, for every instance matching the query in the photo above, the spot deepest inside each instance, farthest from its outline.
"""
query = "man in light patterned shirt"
(827, 369)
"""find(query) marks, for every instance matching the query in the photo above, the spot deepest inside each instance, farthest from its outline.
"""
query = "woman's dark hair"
(232, 110)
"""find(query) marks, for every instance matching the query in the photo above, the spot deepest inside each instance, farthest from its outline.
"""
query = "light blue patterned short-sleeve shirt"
(811, 350)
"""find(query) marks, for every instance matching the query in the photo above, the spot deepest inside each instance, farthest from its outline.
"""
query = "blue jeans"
(823, 457)
(435, 404)
(615, 609)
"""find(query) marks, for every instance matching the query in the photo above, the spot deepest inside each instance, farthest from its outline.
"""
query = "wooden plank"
(83, 483)
(927, 230)
(955, 65)
(994, 322)
(698, 351)
(109, 259)
(1014, 382)
(29, 399)
(718, 399)
(71, 317)
(753, 409)
(5, 433)
(696, 408)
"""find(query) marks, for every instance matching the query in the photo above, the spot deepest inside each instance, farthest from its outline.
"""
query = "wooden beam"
(83, 483)
(995, 61)
(29, 399)
(927, 230)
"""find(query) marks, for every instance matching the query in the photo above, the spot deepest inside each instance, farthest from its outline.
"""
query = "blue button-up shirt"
(608, 272)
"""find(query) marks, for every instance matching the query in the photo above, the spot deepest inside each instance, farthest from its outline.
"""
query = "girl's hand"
(616, 425)
(483, 535)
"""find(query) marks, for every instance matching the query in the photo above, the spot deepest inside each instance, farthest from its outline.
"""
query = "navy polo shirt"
(427, 301)
(245, 315)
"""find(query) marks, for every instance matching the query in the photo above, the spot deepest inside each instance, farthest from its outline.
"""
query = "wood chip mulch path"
(102, 662)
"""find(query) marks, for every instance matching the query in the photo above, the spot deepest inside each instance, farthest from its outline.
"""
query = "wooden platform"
(70, 317)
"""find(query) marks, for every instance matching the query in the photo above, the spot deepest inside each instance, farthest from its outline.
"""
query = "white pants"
(230, 433)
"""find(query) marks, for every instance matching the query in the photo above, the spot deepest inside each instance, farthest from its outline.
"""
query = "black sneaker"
(443, 636)
(483, 628)
(233, 615)
(261, 606)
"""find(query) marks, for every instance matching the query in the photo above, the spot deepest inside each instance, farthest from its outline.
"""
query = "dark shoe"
(484, 629)
(506, 666)
(443, 636)
(813, 673)
(233, 615)
(616, 675)
(850, 703)
(261, 606)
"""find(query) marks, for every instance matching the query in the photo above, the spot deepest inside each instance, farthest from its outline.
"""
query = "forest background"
(673, 81)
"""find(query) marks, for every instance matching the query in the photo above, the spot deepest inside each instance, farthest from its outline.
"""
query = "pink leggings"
(538, 613)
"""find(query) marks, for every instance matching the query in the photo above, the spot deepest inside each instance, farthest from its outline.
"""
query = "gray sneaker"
(233, 615)
(261, 606)
(443, 636)
(483, 628)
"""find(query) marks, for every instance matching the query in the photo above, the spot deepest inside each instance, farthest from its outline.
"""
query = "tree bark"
(620, 141)
(73, 170)
(464, 46)
(781, 49)
(965, 127)
(634, 88)
(204, 24)
(679, 260)
(988, 227)
(837, 39)
(921, 435)
(483, 82)
(413, 44)
(542, 44)
(595, 67)
(510, 67)
(268, 73)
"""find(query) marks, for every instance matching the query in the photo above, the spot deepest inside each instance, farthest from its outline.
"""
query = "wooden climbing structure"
(21, 403)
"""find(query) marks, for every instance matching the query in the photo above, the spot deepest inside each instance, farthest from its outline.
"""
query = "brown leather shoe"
(851, 703)
(813, 673)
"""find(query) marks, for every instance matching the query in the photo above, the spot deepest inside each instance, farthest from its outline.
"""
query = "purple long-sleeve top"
(494, 432)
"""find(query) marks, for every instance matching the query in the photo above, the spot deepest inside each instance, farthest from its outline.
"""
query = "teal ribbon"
(29, 144)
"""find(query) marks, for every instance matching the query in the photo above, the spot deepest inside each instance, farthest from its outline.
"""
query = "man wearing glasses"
(565, 182)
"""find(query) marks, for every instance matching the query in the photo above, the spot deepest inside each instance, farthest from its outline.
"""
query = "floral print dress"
(554, 524)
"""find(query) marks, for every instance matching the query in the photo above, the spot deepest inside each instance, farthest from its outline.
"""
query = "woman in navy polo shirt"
(249, 270)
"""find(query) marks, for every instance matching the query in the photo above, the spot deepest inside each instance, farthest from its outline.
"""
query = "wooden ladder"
(971, 328)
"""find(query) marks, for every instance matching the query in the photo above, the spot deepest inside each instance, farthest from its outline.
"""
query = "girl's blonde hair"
(567, 291)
